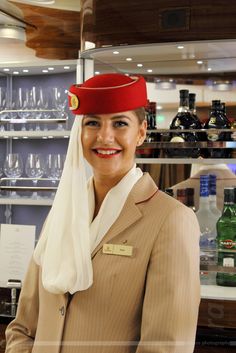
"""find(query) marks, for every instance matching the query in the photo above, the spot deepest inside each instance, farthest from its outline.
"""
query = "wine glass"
(59, 101)
(44, 101)
(13, 168)
(3, 100)
(23, 104)
(34, 104)
(1, 169)
(34, 168)
(54, 168)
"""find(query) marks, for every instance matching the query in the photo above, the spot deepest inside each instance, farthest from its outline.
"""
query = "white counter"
(218, 292)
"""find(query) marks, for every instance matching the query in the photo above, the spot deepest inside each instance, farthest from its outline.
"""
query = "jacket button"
(62, 310)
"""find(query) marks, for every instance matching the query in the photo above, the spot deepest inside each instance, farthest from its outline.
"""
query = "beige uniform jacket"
(144, 303)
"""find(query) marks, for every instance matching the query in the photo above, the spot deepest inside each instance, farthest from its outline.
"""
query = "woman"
(116, 269)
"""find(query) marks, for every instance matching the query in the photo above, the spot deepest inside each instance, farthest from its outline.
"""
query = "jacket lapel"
(142, 191)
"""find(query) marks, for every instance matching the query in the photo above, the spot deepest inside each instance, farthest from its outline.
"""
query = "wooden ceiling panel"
(54, 34)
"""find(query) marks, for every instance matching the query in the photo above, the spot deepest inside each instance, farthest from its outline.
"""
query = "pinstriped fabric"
(147, 303)
(144, 303)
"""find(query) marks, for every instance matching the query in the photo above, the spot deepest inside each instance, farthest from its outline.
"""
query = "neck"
(102, 185)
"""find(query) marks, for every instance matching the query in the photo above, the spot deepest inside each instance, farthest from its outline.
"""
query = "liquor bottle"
(226, 240)
(193, 110)
(212, 195)
(207, 222)
(218, 120)
(181, 196)
(233, 127)
(169, 191)
(190, 198)
(150, 152)
(184, 120)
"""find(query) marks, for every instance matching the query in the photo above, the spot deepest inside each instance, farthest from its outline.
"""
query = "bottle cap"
(204, 185)
(229, 195)
(181, 192)
(169, 191)
(212, 184)
(183, 93)
(190, 191)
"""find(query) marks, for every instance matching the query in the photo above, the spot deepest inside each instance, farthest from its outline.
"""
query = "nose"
(105, 134)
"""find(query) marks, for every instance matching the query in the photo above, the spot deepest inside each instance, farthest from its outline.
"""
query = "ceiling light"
(97, 72)
(6, 70)
(12, 32)
(89, 45)
(159, 107)
(165, 84)
(66, 67)
(40, 2)
(199, 62)
(15, 72)
(180, 47)
(129, 59)
(45, 71)
(149, 70)
(140, 65)
(25, 70)
(116, 52)
(221, 86)
(209, 69)
(50, 68)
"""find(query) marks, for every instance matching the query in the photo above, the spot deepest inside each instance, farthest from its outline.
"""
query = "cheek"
(85, 138)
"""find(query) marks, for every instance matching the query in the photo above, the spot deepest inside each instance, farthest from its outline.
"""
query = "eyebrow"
(113, 117)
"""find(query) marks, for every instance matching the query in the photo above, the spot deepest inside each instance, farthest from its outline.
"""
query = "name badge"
(117, 249)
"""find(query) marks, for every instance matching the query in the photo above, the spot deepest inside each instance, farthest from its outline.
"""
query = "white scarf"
(111, 206)
(65, 245)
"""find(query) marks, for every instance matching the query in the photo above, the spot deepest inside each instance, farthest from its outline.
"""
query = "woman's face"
(110, 140)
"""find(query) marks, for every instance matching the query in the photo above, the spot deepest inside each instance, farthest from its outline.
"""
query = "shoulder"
(155, 205)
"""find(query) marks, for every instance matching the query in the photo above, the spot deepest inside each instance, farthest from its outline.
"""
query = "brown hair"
(140, 113)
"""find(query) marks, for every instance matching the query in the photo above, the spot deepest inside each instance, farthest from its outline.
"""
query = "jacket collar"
(142, 191)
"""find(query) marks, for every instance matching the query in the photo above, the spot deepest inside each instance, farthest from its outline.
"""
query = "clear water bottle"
(207, 222)
(212, 196)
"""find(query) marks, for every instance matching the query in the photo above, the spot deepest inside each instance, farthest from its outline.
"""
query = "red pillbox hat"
(108, 93)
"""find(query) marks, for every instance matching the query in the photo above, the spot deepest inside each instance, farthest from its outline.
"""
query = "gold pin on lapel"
(117, 249)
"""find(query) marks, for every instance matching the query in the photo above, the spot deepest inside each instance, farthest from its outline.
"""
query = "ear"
(142, 132)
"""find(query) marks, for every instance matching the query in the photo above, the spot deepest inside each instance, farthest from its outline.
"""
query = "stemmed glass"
(59, 101)
(54, 168)
(23, 104)
(44, 99)
(1, 168)
(34, 168)
(13, 168)
(35, 104)
(3, 101)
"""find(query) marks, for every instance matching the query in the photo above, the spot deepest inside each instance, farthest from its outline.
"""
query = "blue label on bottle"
(204, 185)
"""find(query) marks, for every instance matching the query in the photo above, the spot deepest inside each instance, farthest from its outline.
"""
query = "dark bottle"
(193, 110)
(152, 137)
(218, 120)
(226, 240)
(182, 196)
(190, 198)
(184, 120)
(169, 192)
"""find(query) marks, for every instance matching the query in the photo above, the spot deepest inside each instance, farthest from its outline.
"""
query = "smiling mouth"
(106, 153)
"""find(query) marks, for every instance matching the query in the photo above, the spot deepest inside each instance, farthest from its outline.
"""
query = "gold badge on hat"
(74, 102)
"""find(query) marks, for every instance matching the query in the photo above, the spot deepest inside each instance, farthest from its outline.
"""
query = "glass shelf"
(46, 134)
(27, 201)
(185, 160)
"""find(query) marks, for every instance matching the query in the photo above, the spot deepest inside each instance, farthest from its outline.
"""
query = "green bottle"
(226, 240)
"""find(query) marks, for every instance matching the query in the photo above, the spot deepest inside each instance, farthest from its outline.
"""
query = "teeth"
(106, 152)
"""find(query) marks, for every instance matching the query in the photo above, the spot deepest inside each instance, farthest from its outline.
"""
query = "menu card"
(16, 248)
